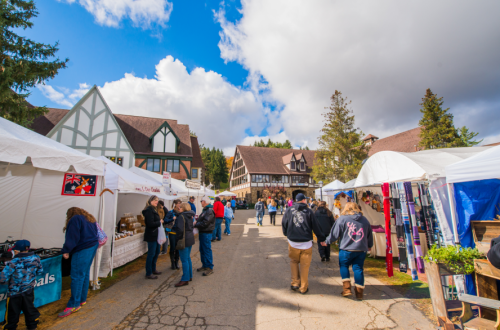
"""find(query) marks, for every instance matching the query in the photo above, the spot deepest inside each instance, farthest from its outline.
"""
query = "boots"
(359, 293)
(177, 264)
(173, 265)
(347, 288)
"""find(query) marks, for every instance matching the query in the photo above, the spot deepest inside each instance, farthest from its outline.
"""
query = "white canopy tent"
(327, 190)
(32, 175)
(226, 194)
(483, 166)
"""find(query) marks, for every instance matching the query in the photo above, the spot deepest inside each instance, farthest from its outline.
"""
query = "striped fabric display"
(416, 236)
(406, 223)
(388, 241)
(400, 229)
(426, 211)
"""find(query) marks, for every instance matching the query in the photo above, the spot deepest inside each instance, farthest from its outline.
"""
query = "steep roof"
(491, 144)
(197, 160)
(272, 160)
(137, 129)
(402, 142)
(370, 136)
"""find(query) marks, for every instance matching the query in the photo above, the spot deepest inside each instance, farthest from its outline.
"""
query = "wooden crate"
(483, 232)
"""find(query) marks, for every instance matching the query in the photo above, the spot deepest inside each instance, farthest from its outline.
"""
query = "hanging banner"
(400, 229)
(406, 223)
(48, 285)
(387, 213)
(416, 236)
(192, 185)
(79, 185)
(167, 178)
(426, 211)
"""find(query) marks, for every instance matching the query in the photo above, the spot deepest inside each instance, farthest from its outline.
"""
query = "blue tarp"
(347, 192)
(475, 200)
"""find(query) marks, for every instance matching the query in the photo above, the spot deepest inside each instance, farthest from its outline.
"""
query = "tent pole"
(451, 198)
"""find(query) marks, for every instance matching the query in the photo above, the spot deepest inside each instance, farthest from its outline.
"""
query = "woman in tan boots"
(354, 233)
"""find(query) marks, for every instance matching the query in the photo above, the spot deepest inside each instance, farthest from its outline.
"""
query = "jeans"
(324, 251)
(174, 254)
(206, 250)
(227, 230)
(272, 215)
(153, 253)
(80, 273)
(234, 209)
(281, 210)
(165, 245)
(260, 217)
(357, 260)
(187, 266)
(217, 233)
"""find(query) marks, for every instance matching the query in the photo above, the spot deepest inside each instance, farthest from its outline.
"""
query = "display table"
(379, 245)
(48, 285)
(128, 249)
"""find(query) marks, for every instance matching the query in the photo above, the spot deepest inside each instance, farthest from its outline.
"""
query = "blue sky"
(240, 71)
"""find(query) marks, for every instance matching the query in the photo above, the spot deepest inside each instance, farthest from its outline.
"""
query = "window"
(153, 165)
(173, 165)
(117, 160)
(292, 165)
(302, 166)
(254, 178)
(285, 179)
(299, 179)
(194, 173)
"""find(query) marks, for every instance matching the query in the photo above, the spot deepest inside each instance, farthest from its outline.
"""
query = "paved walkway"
(250, 289)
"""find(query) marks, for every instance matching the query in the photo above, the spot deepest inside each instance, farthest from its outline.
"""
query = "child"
(20, 274)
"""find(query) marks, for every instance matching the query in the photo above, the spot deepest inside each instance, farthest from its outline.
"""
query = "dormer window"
(164, 139)
(292, 165)
(302, 165)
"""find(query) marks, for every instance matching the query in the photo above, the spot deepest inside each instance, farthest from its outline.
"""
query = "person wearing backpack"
(259, 211)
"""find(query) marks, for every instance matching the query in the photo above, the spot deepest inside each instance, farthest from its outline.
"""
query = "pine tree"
(270, 144)
(467, 137)
(23, 62)
(341, 150)
(216, 171)
(438, 130)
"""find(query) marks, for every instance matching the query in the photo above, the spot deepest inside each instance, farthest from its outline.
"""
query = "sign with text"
(79, 184)
(167, 179)
(193, 185)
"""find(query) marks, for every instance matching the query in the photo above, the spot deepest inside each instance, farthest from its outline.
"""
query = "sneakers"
(68, 311)
(228, 234)
(152, 277)
(294, 288)
(83, 303)
(208, 272)
(323, 259)
(202, 269)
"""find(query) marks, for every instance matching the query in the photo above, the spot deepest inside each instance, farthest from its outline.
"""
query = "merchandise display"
(413, 218)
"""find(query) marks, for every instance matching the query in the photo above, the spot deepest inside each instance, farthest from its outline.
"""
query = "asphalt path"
(250, 289)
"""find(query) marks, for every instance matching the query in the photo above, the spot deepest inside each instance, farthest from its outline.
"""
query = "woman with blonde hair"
(354, 233)
(153, 224)
(81, 243)
(183, 228)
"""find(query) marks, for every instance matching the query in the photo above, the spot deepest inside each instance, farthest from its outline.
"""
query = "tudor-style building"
(258, 171)
(154, 144)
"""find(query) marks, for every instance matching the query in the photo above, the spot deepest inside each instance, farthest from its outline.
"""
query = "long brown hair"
(323, 205)
(351, 209)
(72, 211)
(150, 199)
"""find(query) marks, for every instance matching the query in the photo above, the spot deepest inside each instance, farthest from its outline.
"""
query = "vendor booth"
(125, 197)
(40, 179)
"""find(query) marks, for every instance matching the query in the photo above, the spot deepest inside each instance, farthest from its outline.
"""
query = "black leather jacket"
(206, 220)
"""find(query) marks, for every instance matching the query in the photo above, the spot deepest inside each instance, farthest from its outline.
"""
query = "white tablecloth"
(379, 245)
(127, 249)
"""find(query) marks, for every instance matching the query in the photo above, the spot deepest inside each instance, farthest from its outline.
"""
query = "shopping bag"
(101, 235)
(162, 238)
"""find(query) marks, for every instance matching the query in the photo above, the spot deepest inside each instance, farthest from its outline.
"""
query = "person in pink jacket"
(290, 202)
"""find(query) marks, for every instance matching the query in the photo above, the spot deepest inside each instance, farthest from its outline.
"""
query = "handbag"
(101, 236)
(181, 244)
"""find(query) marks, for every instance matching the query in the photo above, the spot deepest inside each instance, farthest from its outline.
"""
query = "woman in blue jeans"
(355, 235)
(228, 217)
(184, 230)
(153, 223)
(81, 243)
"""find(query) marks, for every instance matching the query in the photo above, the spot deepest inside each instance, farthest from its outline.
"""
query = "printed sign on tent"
(79, 184)
(166, 182)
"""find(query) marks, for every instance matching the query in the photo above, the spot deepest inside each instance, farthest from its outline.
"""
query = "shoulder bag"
(181, 244)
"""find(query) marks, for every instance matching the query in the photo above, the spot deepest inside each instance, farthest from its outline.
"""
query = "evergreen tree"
(341, 150)
(270, 144)
(216, 171)
(24, 63)
(467, 137)
(438, 130)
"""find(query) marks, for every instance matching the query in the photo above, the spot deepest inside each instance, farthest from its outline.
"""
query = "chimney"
(416, 149)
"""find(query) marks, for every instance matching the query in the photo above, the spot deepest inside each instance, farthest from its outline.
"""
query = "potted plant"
(454, 259)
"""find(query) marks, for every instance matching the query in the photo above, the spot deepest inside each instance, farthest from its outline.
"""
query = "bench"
(467, 320)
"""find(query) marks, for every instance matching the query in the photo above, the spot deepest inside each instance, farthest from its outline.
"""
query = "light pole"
(321, 190)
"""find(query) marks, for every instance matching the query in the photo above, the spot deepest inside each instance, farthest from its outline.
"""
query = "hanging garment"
(387, 213)
(400, 230)
(426, 211)
(416, 236)
(406, 223)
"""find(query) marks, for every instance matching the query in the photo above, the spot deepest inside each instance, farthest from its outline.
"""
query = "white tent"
(392, 166)
(332, 186)
(32, 174)
(483, 166)
(227, 194)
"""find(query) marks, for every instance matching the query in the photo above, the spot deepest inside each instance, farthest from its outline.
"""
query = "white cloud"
(143, 13)
(53, 95)
(382, 55)
(217, 111)
(77, 94)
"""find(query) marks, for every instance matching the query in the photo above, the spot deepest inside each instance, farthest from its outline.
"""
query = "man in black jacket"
(206, 225)
(298, 225)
